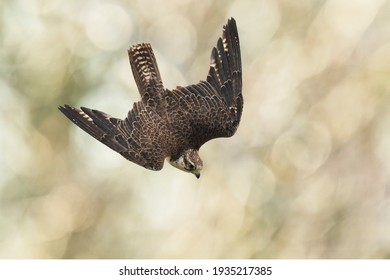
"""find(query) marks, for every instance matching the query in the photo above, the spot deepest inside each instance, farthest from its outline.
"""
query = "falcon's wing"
(135, 137)
(212, 108)
(225, 74)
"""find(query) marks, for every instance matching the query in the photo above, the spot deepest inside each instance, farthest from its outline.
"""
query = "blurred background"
(307, 175)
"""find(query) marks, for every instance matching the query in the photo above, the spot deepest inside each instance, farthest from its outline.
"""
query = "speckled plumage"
(170, 123)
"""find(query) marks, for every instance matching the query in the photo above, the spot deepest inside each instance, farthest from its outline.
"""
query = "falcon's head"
(189, 161)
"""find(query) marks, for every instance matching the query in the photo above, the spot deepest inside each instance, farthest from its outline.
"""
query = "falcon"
(172, 124)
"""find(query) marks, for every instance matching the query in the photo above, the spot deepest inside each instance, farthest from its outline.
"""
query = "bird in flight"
(172, 124)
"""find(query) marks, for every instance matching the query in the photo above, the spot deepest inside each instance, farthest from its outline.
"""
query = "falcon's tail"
(145, 69)
(225, 73)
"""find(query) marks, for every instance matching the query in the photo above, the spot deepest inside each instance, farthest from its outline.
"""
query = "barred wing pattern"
(212, 108)
(134, 137)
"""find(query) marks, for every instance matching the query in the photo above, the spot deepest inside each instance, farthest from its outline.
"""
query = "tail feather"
(145, 69)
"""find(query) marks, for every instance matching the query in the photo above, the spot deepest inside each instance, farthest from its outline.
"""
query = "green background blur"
(307, 175)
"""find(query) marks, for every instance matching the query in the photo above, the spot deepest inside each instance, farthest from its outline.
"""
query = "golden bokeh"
(307, 175)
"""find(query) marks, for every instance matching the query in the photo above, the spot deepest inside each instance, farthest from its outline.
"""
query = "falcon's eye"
(191, 166)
